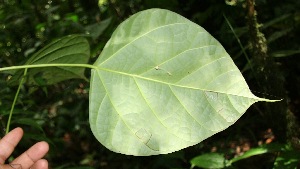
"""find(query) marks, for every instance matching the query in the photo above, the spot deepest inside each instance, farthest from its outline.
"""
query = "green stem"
(15, 100)
(48, 65)
(26, 67)
(239, 41)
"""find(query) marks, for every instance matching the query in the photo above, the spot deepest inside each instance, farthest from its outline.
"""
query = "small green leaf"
(29, 122)
(69, 50)
(268, 148)
(287, 157)
(209, 160)
(285, 53)
(163, 83)
(287, 160)
(95, 30)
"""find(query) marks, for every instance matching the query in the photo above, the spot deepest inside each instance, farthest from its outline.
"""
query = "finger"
(8, 166)
(2, 166)
(40, 164)
(32, 155)
(9, 142)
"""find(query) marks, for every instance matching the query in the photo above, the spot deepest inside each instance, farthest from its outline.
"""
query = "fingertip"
(44, 145)
(17, 130)
(41, 147)
(40, 164)
(33, 155)
(9, 142)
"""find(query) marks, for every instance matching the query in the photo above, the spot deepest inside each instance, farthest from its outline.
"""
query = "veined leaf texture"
(162, 84)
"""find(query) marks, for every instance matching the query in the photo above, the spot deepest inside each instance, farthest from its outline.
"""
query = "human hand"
(32, 158)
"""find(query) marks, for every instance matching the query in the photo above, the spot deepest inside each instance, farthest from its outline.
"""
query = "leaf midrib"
(171, 84)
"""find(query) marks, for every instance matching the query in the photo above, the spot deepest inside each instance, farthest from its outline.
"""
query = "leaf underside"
(162, 84)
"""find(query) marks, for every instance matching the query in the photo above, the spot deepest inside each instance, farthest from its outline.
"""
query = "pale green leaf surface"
(72, 49)
(162, 84)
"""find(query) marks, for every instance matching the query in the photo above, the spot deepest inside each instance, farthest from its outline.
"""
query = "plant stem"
(269, 76)
(48, 65)
(15, 100)
(26, 67)
(239, 42)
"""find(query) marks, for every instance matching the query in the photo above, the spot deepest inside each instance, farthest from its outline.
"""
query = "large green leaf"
(72, 49)
(163, 83)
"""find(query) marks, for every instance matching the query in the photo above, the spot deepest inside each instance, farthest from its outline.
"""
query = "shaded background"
(59, 113)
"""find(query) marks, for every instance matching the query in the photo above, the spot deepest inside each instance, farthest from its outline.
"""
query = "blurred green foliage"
(59, 113)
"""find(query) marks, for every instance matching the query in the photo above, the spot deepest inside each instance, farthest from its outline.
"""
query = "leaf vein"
(138, 37)
(187, 109)
(155, 113)
(133, 133)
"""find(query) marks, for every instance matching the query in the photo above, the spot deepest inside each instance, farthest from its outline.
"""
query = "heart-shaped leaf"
(162, 84)
(72, 49)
